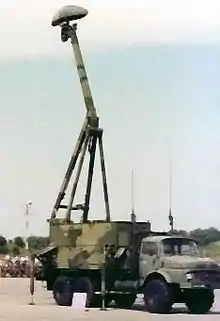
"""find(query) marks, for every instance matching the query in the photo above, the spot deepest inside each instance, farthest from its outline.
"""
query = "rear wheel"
(158, 296)
(62, 291)
(200, 301)
(84, 285)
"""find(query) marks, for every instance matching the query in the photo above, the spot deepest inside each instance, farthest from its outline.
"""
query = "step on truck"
(115, 260)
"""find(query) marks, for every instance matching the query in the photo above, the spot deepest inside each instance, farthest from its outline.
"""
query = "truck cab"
(166, 254)
(176, 262)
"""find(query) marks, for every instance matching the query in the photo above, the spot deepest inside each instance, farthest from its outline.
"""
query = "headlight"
(189, 276)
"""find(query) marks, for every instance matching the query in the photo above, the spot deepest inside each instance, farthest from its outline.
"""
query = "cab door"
(148, 254)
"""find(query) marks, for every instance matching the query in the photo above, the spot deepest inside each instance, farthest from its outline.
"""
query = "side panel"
(82, 245)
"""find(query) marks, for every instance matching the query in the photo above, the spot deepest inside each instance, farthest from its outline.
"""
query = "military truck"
(166, 269)
(115, 260)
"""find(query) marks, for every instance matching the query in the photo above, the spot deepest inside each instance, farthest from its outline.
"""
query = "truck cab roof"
(159, 238)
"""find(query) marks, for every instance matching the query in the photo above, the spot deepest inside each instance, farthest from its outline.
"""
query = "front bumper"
(203, 279)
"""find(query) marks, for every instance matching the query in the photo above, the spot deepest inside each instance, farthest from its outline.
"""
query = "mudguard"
(158, 274)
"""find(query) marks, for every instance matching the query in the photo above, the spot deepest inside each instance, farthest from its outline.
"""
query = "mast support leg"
(104, 179)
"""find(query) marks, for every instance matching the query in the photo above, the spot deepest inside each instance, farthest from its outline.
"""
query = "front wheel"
(158, 296)
(200, 301)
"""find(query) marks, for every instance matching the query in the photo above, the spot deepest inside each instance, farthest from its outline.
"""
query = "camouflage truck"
(165, 269)
(115, 260)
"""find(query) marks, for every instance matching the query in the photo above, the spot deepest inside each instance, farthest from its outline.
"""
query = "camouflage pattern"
(84, 246)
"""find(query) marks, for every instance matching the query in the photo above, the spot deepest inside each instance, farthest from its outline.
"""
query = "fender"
(159, 274)
(165, 275)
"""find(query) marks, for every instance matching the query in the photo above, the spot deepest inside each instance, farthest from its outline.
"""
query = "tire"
(201, 301)
(62, 291)
(124, 301)
(158, 297)
(84, 285)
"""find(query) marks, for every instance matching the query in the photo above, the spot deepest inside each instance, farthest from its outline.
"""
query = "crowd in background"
(16, 267)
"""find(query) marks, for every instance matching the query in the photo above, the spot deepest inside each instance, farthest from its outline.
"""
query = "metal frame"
(87, 141)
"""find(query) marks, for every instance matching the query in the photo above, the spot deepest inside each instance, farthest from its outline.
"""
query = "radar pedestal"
(90, 134)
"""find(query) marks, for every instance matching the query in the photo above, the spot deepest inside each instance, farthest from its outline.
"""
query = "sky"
(154, 70)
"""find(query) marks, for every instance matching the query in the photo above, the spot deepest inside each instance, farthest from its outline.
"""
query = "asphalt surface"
(15, 298)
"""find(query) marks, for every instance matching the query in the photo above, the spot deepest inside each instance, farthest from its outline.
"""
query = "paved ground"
(14, 299)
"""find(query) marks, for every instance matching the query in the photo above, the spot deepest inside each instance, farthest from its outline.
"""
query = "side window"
(149, 248)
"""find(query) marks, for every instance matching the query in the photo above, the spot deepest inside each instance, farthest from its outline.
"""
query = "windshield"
(179, 246)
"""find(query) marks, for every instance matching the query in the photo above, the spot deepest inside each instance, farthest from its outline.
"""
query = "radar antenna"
(133, 216)
(170, 201)
(90, 132)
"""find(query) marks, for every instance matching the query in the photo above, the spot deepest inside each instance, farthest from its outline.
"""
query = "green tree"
(180, 232)
(3, 245)
(15, 250)
(38, 242)
(205, 236)
(19, 241)
(3, 241)
(4, 249)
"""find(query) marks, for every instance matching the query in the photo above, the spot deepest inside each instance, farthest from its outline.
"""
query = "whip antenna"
(133, 216)
(170, 200)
